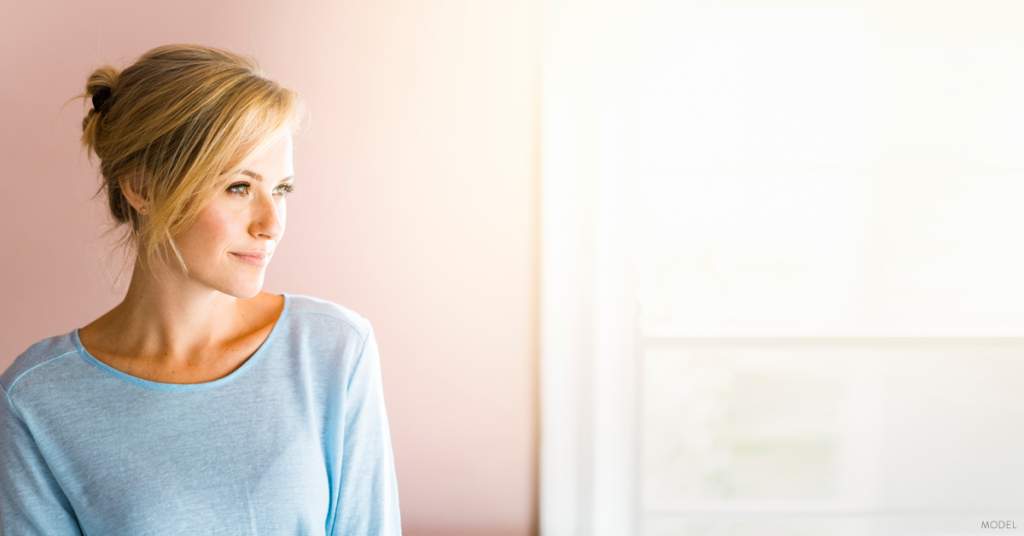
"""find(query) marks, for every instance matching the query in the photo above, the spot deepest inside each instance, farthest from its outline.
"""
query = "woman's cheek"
(221, 224)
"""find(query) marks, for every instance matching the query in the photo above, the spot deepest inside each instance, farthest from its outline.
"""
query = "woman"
(200, 404)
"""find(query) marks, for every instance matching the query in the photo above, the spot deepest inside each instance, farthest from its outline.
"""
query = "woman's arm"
(368, 495)
(31, 501)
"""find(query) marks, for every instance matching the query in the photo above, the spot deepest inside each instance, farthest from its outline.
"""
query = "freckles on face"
(216, 228)
(207, 246)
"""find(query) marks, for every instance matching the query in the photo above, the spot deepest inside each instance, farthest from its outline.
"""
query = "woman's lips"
(255, 259)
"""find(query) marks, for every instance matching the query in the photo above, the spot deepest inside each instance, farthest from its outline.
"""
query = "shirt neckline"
(134, 380)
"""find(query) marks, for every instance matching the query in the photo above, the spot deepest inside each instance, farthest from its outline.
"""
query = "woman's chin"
(243, 290)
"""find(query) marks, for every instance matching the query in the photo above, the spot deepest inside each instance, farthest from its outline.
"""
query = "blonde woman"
(200, 404)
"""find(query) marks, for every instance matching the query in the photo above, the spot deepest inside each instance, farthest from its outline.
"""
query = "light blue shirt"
(294, 442)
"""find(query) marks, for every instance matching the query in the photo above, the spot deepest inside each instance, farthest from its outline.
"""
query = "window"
(781, 277)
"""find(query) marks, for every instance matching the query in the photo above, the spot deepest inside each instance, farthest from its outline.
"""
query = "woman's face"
(234, 237)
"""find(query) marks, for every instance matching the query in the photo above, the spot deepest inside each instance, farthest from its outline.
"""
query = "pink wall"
(416, 206)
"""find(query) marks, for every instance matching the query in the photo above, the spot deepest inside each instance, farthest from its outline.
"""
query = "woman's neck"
(169, 327)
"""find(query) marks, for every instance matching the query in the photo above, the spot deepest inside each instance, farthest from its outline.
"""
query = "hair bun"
(100, 87)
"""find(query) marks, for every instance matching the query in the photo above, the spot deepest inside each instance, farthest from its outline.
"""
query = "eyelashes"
(242, 188)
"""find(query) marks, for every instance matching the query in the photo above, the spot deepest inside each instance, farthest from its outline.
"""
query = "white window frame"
(588, 340)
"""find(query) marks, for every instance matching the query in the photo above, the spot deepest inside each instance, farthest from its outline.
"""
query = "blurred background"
(659, 267)
(780, 289)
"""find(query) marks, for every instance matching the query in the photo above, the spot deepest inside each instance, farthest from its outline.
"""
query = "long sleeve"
(368, 495)
(31, 501)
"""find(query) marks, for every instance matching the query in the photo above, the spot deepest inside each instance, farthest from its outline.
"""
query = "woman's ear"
(131, 187)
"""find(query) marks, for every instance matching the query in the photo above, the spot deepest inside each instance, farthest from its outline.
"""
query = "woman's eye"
(241, 188)
(284, 189)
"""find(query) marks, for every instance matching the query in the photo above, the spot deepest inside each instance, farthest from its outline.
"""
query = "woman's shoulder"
(307, 309)
(37, 357)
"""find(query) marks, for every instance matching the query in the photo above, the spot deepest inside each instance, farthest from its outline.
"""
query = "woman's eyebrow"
(259, 177)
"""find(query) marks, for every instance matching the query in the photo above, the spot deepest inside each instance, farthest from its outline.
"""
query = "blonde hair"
(172, 123)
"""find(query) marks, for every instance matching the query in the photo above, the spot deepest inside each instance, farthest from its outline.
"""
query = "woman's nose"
(268, 220)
